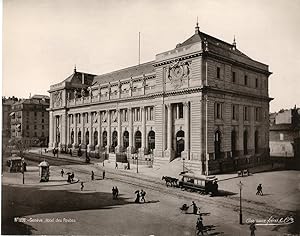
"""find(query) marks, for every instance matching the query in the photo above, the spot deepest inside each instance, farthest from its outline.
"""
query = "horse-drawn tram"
(200, 183)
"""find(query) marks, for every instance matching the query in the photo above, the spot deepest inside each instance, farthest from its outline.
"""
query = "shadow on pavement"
(17, 202)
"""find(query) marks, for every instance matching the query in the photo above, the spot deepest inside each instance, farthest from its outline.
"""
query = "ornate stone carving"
(57, 98)
(90, 91)
(104, 117)
(82, 92)
(177, 72)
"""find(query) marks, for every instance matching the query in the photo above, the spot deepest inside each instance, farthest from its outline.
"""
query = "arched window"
(138, 140)
(104, 138)
(151, 140)
(87, 137)
(218, 144)
(125, 139)
(96, 138)
(179, 143)
(79, 137)
(72, 137)
(245, 142)
(256, 141)
(114, 139)
(233, 143)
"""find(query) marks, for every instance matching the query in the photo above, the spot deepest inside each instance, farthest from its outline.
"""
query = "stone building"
(30, 120)
(6, 111)
(285, 133)
(204, 101)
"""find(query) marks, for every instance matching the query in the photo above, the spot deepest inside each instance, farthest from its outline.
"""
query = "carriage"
(200, 183)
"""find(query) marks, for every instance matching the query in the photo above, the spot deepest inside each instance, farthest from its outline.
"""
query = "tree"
(19, 145)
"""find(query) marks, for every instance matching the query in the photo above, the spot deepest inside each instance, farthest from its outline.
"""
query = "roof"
(44, 163)
(37, 96)
(199, 177)
(128, 72)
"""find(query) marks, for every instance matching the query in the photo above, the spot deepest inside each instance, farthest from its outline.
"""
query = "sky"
(42, 40)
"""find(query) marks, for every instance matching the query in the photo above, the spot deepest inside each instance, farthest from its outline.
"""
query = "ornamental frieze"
(177, 72)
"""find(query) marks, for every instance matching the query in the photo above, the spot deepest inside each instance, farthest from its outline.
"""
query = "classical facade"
(204, 101)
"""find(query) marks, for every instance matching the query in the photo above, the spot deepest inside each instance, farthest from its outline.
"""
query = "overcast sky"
(44, 39)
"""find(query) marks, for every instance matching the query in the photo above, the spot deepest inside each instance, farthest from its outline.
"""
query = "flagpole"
(139, 48)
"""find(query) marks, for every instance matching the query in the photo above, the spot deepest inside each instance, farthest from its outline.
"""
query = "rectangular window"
(43, 127)
(234, 112)
(35, 113)
(87, 117)
(42, 114)
(42, 120)
(258, 114)
(27, 126)
(180, 110)
(72, 119)
(218, 110)
(256, 82)
(34, 126)
(149, 113)
(233, 77)
(246, 80)
(218, 72)
(246, 113)
(281, 136)
(78, 117)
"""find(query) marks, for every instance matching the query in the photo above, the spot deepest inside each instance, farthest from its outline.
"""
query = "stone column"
(90, 147)
(68, 129)
(60, 131)
(51, 133)
(129, 149)
(75, 144)
(97, 148)
(143, 113)
(108, 131)
(169, 152)
(83, 146)
(119, 132)
(186, 152)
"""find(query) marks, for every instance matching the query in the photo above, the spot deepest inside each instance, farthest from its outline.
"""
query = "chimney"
(82, 78)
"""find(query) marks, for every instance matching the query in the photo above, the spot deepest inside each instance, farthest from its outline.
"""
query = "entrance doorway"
(179, 143)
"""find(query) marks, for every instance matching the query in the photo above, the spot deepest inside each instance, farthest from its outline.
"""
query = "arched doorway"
(96, 138)
(217, 144)
(245, 142)
(72, 137)
(114, 140)
(138, 140)
(126, 139)
(151, 141)
(233, 143)
(179, 143)
(104, 138)
(87, 138)
(79, 137)
(256, 141)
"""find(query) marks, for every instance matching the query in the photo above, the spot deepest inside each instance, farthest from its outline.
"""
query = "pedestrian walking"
(117, 192)
(92, 176)
(137, 199)
(103, 174)
(72, 177)
(199, 225)
(113, 192)
(143, 194)
(62, 172)
(252, 229)
(259, 190)
(195, 208)
(116, 167)
(82, 186)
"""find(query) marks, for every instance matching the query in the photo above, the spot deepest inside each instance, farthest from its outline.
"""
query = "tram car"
(199, 183)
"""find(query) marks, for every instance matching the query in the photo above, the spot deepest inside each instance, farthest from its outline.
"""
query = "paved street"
(93, 211)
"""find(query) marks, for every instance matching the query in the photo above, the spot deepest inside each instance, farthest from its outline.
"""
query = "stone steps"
(159, 161)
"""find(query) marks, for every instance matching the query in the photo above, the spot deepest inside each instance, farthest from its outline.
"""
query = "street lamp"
(23, 169)
(137, 161)
(241, 215)
(182, 164)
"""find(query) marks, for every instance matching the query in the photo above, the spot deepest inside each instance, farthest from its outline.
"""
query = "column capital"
(168, 105)
(186, 103)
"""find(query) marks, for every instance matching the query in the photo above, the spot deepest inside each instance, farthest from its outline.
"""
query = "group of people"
(140, 196)
(115, 192)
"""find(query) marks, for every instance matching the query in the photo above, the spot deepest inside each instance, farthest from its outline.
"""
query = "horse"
(170, 180)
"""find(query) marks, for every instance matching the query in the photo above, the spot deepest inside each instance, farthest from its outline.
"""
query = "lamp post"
(23, 170)
(137, 161)
(241, 214)
(182, 164)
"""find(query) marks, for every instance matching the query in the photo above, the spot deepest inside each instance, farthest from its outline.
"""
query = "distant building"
(6, 110)
(203, 100)
(285, 133)
(30, 120)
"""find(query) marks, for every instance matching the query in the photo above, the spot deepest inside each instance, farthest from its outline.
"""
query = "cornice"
(181, 58)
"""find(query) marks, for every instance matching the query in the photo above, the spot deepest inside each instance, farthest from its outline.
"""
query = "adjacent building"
(285, 133)
(30, 120)
(204, 101)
